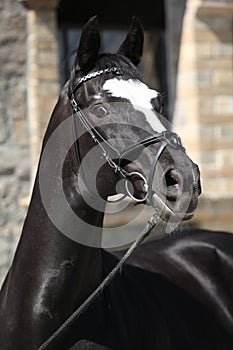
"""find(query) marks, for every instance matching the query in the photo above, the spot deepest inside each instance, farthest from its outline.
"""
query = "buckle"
(173, 140)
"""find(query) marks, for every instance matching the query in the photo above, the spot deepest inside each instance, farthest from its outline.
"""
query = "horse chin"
(166, 213)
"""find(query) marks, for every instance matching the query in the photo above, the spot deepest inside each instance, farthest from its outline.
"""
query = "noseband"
(166, 138)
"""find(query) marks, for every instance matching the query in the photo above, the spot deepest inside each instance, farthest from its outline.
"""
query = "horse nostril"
(172, 184)
(171, 178)
(197, 189)
(196, 180)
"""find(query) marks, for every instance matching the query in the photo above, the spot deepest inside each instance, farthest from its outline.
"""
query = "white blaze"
(139, 95)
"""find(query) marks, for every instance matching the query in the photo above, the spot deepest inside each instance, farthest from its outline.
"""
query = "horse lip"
(188, 216)
(166, 212)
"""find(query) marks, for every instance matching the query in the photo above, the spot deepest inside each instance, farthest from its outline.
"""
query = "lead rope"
(76, 314)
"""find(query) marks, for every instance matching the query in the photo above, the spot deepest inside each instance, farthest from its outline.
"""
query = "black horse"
(174, 293)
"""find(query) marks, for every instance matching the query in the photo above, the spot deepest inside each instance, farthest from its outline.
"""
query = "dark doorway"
(119, 14)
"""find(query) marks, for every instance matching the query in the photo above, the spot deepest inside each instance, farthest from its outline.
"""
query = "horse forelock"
(127, 69)
(91, 87)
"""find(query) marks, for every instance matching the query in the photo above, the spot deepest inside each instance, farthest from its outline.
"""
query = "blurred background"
(188, 56)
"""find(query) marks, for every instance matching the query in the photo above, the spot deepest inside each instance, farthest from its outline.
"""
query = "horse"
(173, 293)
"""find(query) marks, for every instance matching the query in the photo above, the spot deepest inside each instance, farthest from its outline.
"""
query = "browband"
(89, 76)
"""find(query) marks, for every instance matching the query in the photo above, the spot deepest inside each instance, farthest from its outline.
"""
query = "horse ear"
(89, 45)
(132, 46)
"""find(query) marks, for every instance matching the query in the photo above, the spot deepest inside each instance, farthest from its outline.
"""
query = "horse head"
(122, 126)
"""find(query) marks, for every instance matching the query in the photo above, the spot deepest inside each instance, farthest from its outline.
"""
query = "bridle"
(165, 138)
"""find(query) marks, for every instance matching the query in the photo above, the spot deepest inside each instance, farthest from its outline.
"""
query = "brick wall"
(215, 87)
(204, 105)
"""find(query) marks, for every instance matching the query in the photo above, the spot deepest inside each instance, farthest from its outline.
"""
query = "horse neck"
(55, 269)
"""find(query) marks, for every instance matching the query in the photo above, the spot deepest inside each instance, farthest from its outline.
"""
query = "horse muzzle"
(171, 190)
(175, 191)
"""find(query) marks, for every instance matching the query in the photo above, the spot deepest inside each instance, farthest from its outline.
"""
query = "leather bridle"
(166, 138)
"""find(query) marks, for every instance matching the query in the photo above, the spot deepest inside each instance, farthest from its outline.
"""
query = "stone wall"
(42, 71)
(14, 137)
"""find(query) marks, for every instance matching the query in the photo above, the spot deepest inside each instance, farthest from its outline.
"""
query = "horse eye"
(99, 111)
(157, 103)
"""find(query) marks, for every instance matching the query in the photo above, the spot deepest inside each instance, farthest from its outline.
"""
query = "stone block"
(208, 159)
(46, 45)
(209, 132)
(220, 2)
(206, 36)
(205, 105)
(215, 23)
(222, 50)
(216, 118)
(188, 50)
(4, 130)
(204, 50)
(204, 77)
(217, 187)
(44, 73)
(221, 64)
(216, 144)
(47, 58)
(224, 77)
(40, 4)
(7, 164)
(214, 213)
(225, 158)
(223, 105)
(218, 172)
(226, 130)
(215, 8)
(42, 25)
(20, 133)
(51, 86)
